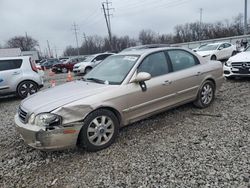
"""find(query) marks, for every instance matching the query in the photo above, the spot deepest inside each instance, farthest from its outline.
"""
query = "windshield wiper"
(95, 80)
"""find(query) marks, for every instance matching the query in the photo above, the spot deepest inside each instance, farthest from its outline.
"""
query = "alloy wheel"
(100, 130)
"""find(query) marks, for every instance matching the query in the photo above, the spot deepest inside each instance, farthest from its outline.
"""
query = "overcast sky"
(53, 19)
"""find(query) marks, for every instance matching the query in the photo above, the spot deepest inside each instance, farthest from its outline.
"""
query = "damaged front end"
(51, 131)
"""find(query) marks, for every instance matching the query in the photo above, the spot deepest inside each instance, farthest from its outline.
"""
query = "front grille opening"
(22, 114)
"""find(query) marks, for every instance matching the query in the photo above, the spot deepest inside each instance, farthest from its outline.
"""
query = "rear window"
(10, 64)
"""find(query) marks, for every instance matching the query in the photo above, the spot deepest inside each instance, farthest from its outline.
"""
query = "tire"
(26, 88)
(87, 70)
(206, 95)
(213, 57)
(234, 53)
(100, 128)
(64, 70)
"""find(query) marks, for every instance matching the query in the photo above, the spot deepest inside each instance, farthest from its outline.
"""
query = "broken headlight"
(45, 120)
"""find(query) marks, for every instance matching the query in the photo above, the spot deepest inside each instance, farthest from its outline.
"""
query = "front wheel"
(99, 130)
(206, 94)
(88, 69)
(26, 88)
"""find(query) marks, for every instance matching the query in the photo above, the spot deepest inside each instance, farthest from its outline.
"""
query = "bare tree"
(25, 43)
(147, 37)
(70, 51)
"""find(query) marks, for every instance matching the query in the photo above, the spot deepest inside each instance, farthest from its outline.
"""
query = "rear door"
(10, 73)
(228, 50)
(222, 52)
(186, 74)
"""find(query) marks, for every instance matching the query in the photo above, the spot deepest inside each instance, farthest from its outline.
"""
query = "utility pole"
(107, 19)
(75, 29)
(200, 27)
(55, 49)
(245, 18)
(85, 38)
(49, 51)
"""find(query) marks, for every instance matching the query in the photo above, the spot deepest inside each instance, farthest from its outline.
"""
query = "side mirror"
(141, 77)
(220, 48)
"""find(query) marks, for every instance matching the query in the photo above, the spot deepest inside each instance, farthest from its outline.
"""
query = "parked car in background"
(89, 63)
(238, 65)
(124, 88)
(19, 75)
(49, 63)
(67, 65)
(217, 51)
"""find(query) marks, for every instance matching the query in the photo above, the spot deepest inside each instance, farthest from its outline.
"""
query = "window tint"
(10, 64)
(102, 57)
(227, 45)
(181, 59)
(154, 64)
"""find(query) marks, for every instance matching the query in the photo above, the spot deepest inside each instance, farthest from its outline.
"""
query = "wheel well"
(212, 80)
(89, 67)
(117, 114)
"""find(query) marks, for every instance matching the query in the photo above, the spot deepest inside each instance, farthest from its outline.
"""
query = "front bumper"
(79, 70)
(235, 72)
(56, 139)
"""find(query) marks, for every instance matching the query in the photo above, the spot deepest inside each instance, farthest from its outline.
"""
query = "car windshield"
(208, 47)
(112, 70)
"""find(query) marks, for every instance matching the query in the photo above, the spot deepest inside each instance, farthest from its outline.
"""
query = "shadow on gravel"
(9, 98)
(247, 79)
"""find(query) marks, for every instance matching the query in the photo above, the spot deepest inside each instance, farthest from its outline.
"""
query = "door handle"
(15, 73)
(198, 73)
(167, 82)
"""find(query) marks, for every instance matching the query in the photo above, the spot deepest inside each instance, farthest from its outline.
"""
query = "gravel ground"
(183, 147)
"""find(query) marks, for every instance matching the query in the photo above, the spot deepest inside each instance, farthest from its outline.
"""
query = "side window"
(227, 45)
(222, 46)
(181, 59)
(100, 57)
(154, 64)
(10, 64)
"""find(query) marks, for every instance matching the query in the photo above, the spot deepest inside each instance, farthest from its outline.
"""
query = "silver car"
(19, 75)
(124, 88)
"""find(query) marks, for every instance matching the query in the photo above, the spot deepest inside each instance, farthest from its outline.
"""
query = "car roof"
(147, 50)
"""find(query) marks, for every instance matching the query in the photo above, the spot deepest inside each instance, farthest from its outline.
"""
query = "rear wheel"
(26, 88)
(213, 57)
(234, 53)
(206, 94)
(99, 130)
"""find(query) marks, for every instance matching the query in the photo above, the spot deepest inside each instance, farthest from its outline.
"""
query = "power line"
(76, 29)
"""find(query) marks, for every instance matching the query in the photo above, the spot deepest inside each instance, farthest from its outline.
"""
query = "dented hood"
(53, 98)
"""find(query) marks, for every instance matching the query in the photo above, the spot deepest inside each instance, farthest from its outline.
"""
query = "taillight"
(33, 65)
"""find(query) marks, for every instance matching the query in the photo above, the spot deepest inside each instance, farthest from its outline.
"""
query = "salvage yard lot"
(183, 147)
